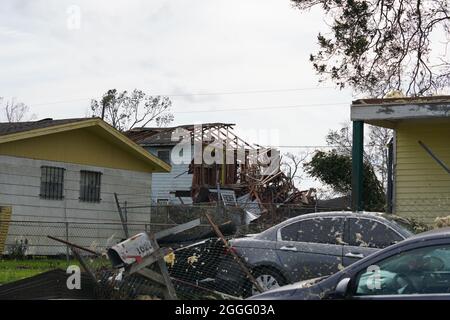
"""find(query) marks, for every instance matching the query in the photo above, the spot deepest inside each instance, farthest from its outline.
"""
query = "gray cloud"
(175, 46)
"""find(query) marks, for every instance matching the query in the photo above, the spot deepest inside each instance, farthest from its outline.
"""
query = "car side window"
(419, 271)
(316, 230)
(369, 233)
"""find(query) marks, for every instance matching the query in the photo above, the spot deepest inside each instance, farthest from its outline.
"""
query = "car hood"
(287, 290)
(301, 284)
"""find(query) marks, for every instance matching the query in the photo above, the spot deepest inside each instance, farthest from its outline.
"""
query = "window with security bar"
(52, 183)
(90, 182)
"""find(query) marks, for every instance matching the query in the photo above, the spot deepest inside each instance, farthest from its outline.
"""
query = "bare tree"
(13, 111)
(292, 164)
(377, 148)
(124, 110)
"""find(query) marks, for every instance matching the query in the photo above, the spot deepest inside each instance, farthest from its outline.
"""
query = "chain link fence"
(200, 265)
(428, 208)
(30, 235)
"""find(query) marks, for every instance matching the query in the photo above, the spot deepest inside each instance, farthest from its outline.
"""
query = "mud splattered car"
(308, 246)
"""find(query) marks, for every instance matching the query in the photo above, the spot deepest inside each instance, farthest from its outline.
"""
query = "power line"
(303, 147)
(200, 94)
(265, 108)
(310, 146)
(243, 92)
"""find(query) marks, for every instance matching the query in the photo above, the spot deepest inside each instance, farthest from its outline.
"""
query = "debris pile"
(138, 268)
(240, 170)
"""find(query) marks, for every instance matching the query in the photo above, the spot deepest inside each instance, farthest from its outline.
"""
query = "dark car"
(308, 246)
(416, 268)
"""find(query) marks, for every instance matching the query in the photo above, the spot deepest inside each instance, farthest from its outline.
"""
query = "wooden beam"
(122, 217)
(235, 256)
(178, 228)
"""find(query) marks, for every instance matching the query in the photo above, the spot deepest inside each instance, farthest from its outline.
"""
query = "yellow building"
(421, 152)
(62, 176)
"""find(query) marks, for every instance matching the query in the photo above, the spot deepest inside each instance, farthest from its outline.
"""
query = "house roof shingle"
(16, 127)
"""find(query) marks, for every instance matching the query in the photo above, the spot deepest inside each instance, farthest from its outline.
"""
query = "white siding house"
(164, 184)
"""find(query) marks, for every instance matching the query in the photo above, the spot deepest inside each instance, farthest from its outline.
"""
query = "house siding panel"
(80, 146)
(165, 183)
(20, 188)
(422, 186)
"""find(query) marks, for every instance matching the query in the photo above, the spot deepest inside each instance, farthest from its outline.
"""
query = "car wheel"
(267, 278)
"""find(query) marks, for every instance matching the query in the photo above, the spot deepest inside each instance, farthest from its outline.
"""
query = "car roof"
(360, 214)
(336, 214)
(435, 233)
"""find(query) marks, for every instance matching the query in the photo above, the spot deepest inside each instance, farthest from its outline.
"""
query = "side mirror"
(342, 288)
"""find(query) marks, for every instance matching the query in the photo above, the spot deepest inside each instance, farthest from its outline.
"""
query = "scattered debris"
(442, 222)
(137, 268)
(136, 255)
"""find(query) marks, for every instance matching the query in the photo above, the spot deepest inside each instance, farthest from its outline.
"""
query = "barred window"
(90, 182)
(52, 183)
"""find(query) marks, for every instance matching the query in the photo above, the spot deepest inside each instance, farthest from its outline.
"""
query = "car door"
(365, 236)
(420, 273)
(311, 248)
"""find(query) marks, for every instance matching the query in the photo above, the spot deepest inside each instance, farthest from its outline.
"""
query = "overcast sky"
(176, 47)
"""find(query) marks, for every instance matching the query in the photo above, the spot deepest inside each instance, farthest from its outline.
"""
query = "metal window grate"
(90, 182)
(52, 183)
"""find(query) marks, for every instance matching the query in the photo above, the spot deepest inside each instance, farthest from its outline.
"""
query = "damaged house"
(237, 171)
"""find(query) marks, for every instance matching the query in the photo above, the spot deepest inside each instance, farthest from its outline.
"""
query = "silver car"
(308, 246)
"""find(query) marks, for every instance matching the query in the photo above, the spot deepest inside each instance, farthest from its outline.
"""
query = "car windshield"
(401, 223)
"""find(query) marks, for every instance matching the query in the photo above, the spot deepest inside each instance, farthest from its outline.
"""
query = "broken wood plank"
(84, 265)
(122, 217)
(70, 244)
(178, 229)
(152, 258)
(171, 294)
(235, 256)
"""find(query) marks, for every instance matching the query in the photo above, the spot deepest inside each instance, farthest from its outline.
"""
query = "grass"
(12, 270)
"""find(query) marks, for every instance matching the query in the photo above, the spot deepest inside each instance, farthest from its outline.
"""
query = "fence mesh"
(200, 265)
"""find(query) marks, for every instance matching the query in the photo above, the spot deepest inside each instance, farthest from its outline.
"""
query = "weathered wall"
(20, 188)
(422, 187)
